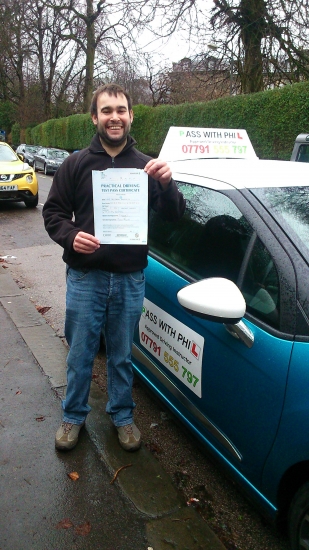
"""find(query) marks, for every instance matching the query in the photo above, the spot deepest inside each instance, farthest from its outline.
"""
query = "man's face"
(113, 120)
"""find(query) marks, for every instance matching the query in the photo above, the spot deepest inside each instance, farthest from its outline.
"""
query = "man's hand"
(159, 170)
(85, 243)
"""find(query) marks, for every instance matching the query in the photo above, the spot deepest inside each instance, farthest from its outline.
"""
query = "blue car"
(223, 338)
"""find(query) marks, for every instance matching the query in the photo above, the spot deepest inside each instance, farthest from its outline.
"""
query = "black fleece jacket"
(69, 207)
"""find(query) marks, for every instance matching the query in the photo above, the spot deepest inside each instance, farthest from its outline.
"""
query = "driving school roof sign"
(182, 143)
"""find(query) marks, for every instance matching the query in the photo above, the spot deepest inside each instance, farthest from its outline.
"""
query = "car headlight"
(29, 178)
(52, 162)
(26, 166)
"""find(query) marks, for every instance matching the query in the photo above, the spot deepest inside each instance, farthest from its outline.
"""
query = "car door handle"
(241, 332)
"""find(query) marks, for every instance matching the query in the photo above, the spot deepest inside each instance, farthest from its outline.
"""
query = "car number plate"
(8, 187)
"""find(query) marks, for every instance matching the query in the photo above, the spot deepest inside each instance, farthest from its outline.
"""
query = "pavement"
(119, 501)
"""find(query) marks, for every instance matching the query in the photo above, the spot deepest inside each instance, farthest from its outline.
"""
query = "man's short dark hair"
(110, 89)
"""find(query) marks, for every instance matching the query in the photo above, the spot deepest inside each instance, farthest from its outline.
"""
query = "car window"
(303, 153)
(211, 240)
(55, 154)
(7, 155)
(260, 285)
(61, 154)
(290, 207)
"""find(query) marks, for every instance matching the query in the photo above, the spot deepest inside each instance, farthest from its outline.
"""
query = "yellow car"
(18, 181)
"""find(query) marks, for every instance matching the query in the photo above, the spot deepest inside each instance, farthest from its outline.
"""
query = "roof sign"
(182, 143)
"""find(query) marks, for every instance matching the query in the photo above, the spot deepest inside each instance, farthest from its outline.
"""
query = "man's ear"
(131, 116)
(94, 119)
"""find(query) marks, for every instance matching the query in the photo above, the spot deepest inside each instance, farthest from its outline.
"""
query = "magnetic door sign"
(120, 205)
(195, 143)
(173, 344)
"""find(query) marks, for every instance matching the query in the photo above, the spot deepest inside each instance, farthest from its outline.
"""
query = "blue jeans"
(98, 299)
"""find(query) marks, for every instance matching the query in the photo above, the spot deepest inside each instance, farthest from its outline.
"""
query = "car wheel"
(299, 519)
(34, 166)
(33, 202)
(45, 169)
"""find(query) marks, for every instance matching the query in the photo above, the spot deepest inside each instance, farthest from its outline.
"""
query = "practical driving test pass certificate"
(120, 204)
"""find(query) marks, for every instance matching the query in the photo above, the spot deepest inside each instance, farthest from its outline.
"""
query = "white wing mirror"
(215, 299)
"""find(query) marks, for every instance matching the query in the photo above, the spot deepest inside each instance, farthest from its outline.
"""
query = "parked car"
(49, 159)
(28, 151)
(223, 338)
(300, 151)
(18, 182)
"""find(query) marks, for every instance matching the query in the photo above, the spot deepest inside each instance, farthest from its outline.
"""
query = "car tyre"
(298, 520)
(34, 166)
(33, 202)
(45, 169)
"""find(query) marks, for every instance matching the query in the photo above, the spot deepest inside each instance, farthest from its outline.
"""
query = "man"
(105, 283)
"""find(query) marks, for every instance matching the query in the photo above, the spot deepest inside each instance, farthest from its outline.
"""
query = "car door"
(230, 394)
(40, 158)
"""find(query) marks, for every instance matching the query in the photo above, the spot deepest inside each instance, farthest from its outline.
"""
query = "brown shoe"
(67, 436)
(129, 437)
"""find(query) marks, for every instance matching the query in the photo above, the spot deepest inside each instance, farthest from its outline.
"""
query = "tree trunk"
(90, 53)
(252, 16)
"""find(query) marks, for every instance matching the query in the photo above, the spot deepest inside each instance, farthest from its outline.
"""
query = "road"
(37, 267)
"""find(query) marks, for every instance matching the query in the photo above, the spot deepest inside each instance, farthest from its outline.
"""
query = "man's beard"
(113, 142)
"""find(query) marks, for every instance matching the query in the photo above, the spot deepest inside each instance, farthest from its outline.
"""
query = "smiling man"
(105, 282)
(113, 117)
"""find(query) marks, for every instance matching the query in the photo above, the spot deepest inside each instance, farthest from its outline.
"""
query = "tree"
(159, 81)
(265, 42)
(15, 51)
(110, 25)
(271, 40)
(55, 58)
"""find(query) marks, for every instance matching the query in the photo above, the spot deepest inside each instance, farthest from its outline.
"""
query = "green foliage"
(7, 116)
(272, 119)
(15, 133)
(72, 132)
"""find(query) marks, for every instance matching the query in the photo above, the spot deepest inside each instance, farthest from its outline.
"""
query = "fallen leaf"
(64, 524)
(192, 501)
(83, 529)
(153, 447)
(18, 392)
(40, 418)
(43, 309)
(74, 476)
(117, 472)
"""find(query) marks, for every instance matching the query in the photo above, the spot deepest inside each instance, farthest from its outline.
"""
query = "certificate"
(120, 205)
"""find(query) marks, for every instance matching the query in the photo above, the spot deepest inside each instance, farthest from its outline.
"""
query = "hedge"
(272, 119)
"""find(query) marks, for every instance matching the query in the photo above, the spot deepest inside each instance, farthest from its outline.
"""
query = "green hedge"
(272, 119)
(15, 133)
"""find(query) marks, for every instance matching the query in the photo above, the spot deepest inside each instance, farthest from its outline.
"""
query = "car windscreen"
(290, 207)
(7, 155)
(57, 154)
